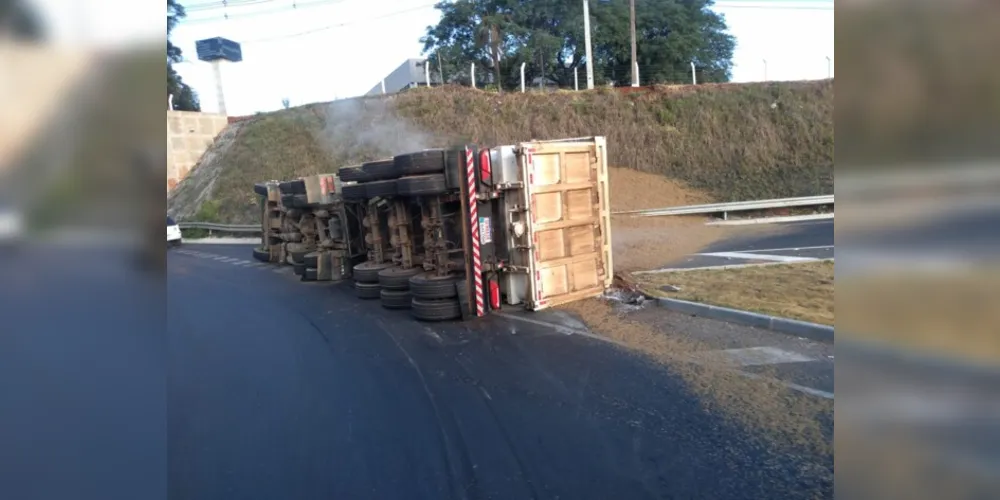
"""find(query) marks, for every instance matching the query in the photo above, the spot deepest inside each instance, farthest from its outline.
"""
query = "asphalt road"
(792, 242)
(283, 389)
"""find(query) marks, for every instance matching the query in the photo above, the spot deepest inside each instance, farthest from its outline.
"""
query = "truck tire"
(311, 259)
(368, 291)
(396, 299)
(435, 310)
(260, 189)
(422, 185)
(354, 192)
(310, 274)
(367, 272)
(430, 287)
(454, 173)
(430, 161)
(397, 278)
(294, 201)
(299, 269)
(384, 189)
(297, 186)
(353, 174)
(381, 170)
(298, 256)
(261, 255)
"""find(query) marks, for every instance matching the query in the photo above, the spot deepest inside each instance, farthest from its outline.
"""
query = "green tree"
(547, 35)
(185, 98)
(19, 20)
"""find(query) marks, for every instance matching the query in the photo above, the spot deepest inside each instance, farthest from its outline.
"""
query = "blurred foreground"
(918, 238)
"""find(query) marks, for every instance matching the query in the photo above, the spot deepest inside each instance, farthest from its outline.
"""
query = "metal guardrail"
(738, 206)
(225, 228)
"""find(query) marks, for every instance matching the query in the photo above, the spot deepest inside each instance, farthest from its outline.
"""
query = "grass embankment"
(732, 142)
(797, 291)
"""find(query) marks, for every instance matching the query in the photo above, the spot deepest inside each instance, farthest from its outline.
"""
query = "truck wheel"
(368, 291)
(396, 299)
(430, 287)
(435, 310)
(298, 257)
(294, 201)
(354, 192)
(311, 259)
(353, 174)
(297, 186)
(380, 170)
(367, 272)
(383, 189)
(430, 161)
(299, 269)
(260, 189)
(261, 255)
(309, 274)
(454, 173)
(397, 278)
(422, 185)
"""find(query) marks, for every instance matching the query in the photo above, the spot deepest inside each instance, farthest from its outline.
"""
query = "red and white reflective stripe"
(477, 265)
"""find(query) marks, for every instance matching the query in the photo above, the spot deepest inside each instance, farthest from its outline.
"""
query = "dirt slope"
(727, 142)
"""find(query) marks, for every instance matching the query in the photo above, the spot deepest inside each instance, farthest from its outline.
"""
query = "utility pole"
(635, 61)
(586, 39)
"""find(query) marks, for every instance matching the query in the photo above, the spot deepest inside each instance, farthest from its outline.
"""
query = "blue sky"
(328, 49)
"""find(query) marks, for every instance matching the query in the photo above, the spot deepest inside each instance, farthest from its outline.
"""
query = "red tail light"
(494, 294)
(485, 170)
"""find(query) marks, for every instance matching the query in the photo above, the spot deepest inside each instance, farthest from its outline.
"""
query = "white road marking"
(790, 249)
(757, 256)
(755, 356)
(243, 263)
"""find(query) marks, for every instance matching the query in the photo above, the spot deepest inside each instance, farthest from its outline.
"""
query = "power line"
(333, 26)
(297, 5)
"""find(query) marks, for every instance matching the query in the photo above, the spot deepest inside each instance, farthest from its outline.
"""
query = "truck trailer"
(452, 233)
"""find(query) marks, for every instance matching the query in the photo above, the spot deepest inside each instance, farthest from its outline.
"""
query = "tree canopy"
(548, 36)
(185, 98)
(19, 21)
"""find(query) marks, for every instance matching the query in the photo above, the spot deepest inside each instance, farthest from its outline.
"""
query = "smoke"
(359, 130)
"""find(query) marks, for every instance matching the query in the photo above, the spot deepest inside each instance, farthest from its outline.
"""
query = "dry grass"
(786, 419)
(952, 312)
(798, 291)
(728, 142)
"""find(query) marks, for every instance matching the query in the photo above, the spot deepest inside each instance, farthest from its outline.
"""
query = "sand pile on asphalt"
(634, 190)
(650, 242)
(785, 419)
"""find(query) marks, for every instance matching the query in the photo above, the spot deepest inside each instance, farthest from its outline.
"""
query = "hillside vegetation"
(731, 142)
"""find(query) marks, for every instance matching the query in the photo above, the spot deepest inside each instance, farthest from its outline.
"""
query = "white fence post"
(522, 77)
(170, 102)
(472, 74)
(427, 72)
(694, 76)
(383, 85)
(576, 78)
(637, 79)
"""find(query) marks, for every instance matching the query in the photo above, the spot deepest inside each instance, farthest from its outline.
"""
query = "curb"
(813, 331)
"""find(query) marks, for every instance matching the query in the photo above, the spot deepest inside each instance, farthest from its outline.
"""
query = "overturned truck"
(452, 233)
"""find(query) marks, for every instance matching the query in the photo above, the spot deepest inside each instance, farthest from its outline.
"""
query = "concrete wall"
(189, 134)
